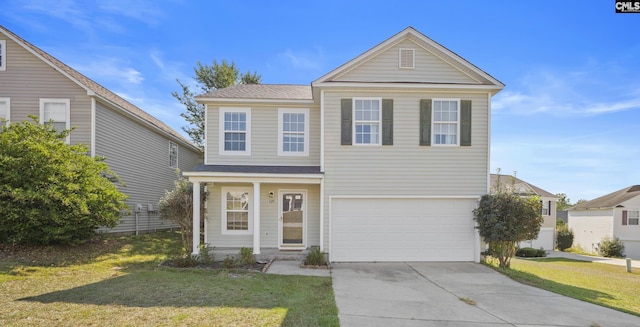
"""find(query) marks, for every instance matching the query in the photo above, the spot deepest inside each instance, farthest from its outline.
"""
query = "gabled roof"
(94, 88)
(428, 44)
(518, 186)
(610, 200)
(285, 92)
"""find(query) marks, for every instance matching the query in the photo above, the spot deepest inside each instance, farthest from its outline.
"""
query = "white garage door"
(402, 230)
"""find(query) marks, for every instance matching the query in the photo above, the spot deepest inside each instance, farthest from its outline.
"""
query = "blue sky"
(567, 121)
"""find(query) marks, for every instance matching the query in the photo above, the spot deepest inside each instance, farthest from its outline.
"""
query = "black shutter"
(347, 124)
(624, 217)
(465, 123)
(387, 121)
(425, 122)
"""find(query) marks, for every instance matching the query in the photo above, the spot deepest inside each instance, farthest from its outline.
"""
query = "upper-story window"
(3, 55)
(55, 112)
(446, 121)
(293, 132)
(173, 155)
(5, 112)
(366, 120)
(235, 131)
(634, 217)
(545, 208)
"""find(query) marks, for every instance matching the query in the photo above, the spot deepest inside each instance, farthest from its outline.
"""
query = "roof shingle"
(610, 200)
(519, 185)
(262, 91)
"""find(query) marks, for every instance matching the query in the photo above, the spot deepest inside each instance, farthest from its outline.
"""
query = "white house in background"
(382, 159)
(142, 150)
(547, 236)
(616, 214)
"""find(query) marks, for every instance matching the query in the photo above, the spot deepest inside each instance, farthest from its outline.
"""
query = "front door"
(292, 218)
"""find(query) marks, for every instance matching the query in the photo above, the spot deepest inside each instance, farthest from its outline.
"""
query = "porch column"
(196, 218)
(256, 217)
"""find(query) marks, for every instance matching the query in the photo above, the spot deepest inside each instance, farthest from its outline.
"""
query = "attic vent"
(634, 188)
(407, 58)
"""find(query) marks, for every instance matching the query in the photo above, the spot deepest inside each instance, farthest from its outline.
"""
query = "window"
(406, 58)
(293, 131)
(366, 120)
(445, 122)
(545, 208)
(236, 216)
(235, 131)
(3, 55)
(634, 217)
(5, 111)
(173, 155)
(56, 113)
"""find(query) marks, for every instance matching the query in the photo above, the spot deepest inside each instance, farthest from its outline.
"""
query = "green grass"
(607, 285)
(117, 282)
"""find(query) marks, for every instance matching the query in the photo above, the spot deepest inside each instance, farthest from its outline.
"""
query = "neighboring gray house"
(616, 214)
(382, 159)
(547, 236)
(142, 150)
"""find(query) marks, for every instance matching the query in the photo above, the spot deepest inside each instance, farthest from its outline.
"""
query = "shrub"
(531, 253)
(246, 256)
(52, 192)
(564, 237)
(315, 257)
(229, 262)
(611, 247)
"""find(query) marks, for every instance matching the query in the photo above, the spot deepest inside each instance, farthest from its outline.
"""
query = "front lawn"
(117, 282)
(607, 285)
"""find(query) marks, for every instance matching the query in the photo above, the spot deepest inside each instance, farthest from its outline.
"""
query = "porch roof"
(219, 173)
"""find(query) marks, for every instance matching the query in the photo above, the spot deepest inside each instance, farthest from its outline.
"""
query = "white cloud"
(589, 91)
(110, 69)
(310, 60)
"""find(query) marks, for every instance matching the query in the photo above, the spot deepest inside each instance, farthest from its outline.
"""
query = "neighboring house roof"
(261, 91)
(428, 44)
(610, 200)
(259, 169)
(97, 89)
(519, 186)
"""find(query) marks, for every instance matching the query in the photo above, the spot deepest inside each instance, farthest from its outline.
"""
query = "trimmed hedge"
(531, 253)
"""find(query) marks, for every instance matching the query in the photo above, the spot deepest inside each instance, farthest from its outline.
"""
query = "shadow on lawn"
(201, 288)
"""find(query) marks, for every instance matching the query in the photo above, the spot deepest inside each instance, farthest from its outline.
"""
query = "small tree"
(611, 247)
(564, 237)
(177, 205)
(52, 192)
(504, 219)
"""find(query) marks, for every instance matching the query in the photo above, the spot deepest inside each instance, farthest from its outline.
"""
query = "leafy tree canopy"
(563, 202)
(52, 192)
(208, 78)
(505, 219)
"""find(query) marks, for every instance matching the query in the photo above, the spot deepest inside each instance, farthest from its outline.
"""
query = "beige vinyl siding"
(27, 79)
(268, 216)
(385, 68)
(405, 167)
(140, 156)
(264, 138)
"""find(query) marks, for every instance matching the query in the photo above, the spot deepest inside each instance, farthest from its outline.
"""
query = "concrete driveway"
(436, 294)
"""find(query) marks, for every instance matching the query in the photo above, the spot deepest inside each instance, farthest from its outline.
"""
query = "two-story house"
(382, 159)
(142, 150)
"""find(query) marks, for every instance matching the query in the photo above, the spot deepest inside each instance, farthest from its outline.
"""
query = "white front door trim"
(281, 244)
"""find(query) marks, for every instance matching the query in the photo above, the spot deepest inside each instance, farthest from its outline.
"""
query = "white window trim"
(223, 228)
(353, 119)
(171, 145)
(247, 149)
(629, 218)
(3, 48)
(281, 112)
(413, 58)
(433, 122)
(66, 101)
(8, 113)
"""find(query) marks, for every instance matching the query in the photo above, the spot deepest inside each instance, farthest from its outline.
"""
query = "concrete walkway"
(455, 294)
(292, 267)
(609, 261)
